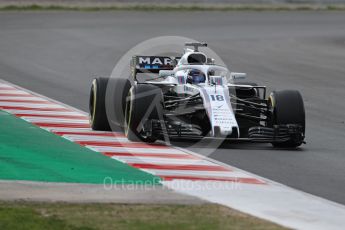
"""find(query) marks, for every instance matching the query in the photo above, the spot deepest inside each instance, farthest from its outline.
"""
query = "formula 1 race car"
(191, 97)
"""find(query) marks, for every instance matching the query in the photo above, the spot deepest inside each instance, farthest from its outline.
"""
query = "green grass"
(25, 215)
(27, 218)
(173, 7)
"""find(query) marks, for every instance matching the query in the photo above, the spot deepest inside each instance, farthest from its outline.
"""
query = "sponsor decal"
(154, 62)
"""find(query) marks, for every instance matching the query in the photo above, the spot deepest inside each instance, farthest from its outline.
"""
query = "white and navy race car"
(191, 97)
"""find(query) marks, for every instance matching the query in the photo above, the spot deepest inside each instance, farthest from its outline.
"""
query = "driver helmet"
(196, 76)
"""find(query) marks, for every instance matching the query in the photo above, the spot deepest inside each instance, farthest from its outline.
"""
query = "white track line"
(20, 112)
(132, 150)
(162, 161)
(30, 105)
(94, 138)
(65, 129)
(33, 98)
(15, 92)
(55, 120)
(199, 173)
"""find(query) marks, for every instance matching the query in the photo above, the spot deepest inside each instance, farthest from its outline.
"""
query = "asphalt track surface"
(57, 53)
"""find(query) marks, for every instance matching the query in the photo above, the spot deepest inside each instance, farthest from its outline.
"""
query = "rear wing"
(151, 64)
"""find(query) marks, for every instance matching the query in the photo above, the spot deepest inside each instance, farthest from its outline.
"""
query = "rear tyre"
(98, 115)
(287, 108)
(144, 105)
(121, 88)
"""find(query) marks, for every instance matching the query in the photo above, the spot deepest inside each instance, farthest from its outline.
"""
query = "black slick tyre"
(143, 106)
(98, 115)
(287, 108)
(101, 117)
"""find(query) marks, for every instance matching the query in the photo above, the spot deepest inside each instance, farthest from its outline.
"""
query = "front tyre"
(144, 104)
(287, 107)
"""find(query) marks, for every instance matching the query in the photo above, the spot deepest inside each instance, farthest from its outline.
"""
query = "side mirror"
(236, 76)
(210, 61)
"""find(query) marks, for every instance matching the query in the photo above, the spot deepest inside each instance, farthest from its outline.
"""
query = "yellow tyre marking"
(127, 125)
(94, 86)
(272, 101)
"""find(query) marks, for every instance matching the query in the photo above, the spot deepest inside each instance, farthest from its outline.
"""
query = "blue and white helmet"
(196, 77)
